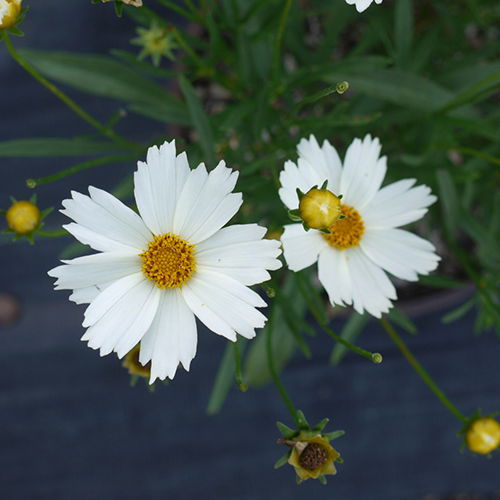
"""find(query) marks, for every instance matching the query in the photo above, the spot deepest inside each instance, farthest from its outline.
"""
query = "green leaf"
(104, 76)
(349, 332)
(286, 431)
(334, 435)
(403, 31)
(200, 120)
(435, 280)
(223, 381)
(459, 311)
(449, 200)
(401, 319)
(53, 146)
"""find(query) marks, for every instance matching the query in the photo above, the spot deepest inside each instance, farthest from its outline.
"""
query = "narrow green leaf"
(53, 146)
(403, 31)
(199, 119)
(448, 199)
(223, 381)
(401, 319)
(459, 311)
(349, 332)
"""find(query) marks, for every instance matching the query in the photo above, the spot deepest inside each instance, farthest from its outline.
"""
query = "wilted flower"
(357, 249)
(157, 271)
(156, 42)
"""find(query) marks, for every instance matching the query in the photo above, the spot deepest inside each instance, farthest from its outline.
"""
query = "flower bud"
(9, 11)
(132, 364)
(319, 208)
(23, 217)
(483, 435)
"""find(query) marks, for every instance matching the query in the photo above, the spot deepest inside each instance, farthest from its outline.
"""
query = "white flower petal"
(371, 288)
(94, 269)
(239, 252)
(333, 273)
(172, 337)
(108, 217)
(363, 172)
(224, 305)
(158, 184)
(207, 203)
(397, 204)
(362, 5)
(84, 295)
(399, 252)
(98, 241)
(300, 247)
(126, 318)
(110, 296)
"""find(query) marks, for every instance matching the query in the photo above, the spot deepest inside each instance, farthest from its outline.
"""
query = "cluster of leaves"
(251, 77)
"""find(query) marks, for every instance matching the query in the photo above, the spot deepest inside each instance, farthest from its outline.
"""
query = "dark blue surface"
(71, 427)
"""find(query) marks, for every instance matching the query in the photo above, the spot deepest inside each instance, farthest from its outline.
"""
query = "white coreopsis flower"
(362, 5)
(157, 271)
(352, 257)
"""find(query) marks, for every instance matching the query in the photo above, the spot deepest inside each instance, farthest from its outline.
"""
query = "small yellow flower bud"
(319, 208)
(483, 435)
(134, 367)
(23, 217)
(9, 10)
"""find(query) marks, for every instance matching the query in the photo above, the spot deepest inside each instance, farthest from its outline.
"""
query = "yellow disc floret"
(346, 232)
(483, 435)
(169, 261)
(9, 11)
(319, 208)
(23, 217)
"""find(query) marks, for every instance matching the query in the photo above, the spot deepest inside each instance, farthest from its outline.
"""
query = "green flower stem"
(279, 39)
(274, 374)
(32, 183)
(422, 372)
(237, 367)
(68, 101)
(375, 357)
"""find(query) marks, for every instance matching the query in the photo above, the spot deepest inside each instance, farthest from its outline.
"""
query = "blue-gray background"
(70, 425)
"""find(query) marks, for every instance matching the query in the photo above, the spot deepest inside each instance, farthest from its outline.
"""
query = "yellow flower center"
(23, 217)
(313, 456)
(169, 261)
(347, 232)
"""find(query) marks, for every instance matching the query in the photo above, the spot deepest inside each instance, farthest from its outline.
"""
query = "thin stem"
(372, 356)
(274, 374)
(279, 38)
(67, 100)
(32, 183)
(421, 371)
(237, 367)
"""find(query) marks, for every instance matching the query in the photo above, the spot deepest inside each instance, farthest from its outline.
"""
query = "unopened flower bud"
(319, 208)
(9, 11)
(23, 217)
(483, 435)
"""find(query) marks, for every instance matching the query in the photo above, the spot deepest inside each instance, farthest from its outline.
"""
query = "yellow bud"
(319, 208)
(483, 435)
(23, 217)
(9, 10)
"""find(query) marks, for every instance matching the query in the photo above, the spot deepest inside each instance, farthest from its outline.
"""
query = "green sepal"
(340, 460)
(321, 425)
(340, 196)
(294, 215)
(322, 479)
(118, 8)
(325, 183)
(298, 480)
(301, 420)
(133, 380)
(324, 230)
(300, 194)
(286, 431)
(340, 217)
(283, 460)
(151, 387)
(333, 435)
(305, 226)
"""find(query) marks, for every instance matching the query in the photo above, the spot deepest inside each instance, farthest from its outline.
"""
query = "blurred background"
(71, 426)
